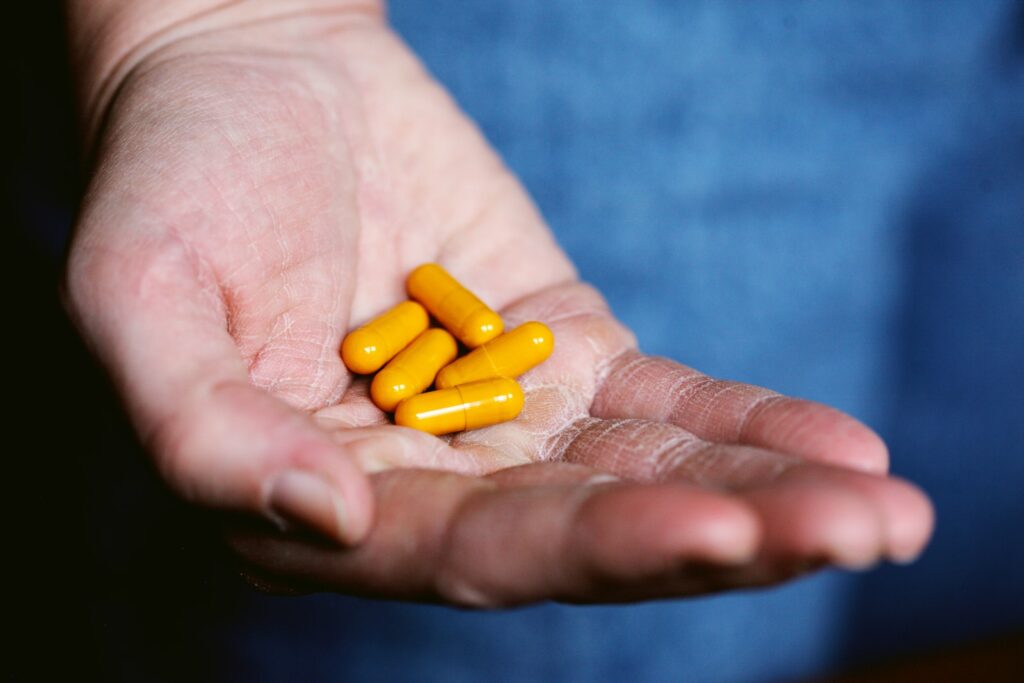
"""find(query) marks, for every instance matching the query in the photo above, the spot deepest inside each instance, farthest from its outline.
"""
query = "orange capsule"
(467, 406)
(455, 307)
(508, 355)
(367, 348)
(414, 369)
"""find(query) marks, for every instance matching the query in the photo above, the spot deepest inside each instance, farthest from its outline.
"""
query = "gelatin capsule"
(367, 348)
(508, 355)
(466, 406)
(414, 369)
(454, 306)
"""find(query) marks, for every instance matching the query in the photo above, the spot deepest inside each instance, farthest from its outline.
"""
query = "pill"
(367, 348)
(413, 370)
(454, 306)
(508, 355)
(466, 406)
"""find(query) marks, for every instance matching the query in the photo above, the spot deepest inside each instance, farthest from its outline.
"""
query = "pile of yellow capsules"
(473, 391)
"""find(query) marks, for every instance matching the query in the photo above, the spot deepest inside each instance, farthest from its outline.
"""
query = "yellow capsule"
(467, 406)
(455, 307)
(369, 347)
(414, 369)
(508, 355)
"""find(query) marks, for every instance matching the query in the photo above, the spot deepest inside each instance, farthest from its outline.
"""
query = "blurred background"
(823, 198)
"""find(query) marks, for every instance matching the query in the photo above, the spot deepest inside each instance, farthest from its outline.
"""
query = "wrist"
(111, 38)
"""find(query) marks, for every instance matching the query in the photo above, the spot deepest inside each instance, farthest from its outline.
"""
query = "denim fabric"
(825, 198)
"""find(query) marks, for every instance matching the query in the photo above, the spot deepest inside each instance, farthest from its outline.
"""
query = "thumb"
(217, 440)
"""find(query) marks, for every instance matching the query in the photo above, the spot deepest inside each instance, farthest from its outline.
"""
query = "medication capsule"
(467, 406)
(454, 306)
(414, 369)
(369, 347)
(508, 355)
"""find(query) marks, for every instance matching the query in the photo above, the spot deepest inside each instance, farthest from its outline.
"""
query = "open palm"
(261, 189)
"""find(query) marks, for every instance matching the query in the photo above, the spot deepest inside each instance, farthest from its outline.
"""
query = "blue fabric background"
(824, 198)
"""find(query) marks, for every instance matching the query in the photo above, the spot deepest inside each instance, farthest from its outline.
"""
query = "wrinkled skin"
(261, 187)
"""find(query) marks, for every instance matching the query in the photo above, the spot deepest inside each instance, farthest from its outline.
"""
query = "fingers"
(229, 445)
(730, 412)
(808, 510)
(642, 540)
(217, 440)
(594, 370)
(569, 532)
(542, 532)
(907, 516)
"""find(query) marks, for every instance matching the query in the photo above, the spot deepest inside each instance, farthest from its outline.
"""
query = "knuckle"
(459, 577)
(185, 443)
(177, 448)
(456, 588)
(220, 443)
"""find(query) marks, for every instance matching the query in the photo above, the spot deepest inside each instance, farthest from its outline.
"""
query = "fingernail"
(857, 564)
(905, 558)
(305, 500)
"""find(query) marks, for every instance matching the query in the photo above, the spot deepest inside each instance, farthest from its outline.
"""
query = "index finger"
(659, 389)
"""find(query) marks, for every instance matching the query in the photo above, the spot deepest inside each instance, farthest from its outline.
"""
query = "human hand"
(266, 174)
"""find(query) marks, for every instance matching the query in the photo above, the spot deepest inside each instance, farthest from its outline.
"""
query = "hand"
(262, 184)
